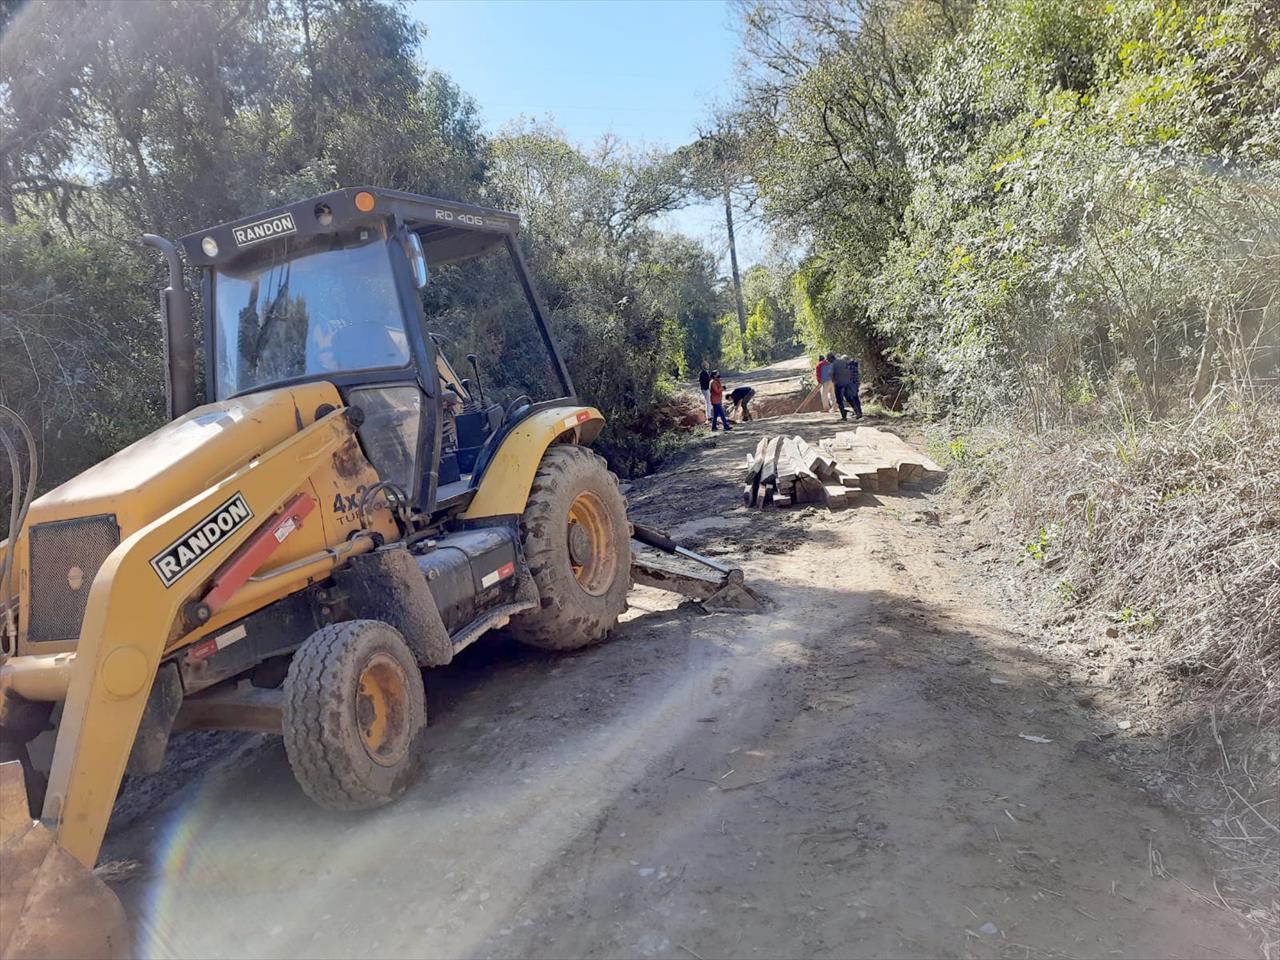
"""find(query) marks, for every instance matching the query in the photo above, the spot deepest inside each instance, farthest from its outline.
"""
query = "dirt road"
(844, 776)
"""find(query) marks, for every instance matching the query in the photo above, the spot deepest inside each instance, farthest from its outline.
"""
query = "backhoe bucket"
(715, 586)
(51, 905)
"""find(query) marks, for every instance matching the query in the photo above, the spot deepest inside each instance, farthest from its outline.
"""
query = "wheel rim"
(590, 536)
(382, 710)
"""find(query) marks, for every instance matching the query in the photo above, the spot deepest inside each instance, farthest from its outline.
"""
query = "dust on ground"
(880, 766)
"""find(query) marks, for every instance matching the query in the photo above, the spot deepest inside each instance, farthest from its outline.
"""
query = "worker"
(704, 382)
(739, 400)
(842, 377)
(825, 386)
(715, 394)
(855, 384)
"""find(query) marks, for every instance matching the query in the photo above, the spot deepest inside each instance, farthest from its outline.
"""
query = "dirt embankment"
(882, 764)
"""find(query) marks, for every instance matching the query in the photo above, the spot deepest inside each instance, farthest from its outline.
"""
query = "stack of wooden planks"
(835, 473)
(786, 470)
(882, 461)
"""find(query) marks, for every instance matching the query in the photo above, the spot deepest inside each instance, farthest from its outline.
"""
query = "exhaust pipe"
(179, 337)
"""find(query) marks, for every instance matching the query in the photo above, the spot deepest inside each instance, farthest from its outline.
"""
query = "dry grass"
(1175, 531)
(1171, 532)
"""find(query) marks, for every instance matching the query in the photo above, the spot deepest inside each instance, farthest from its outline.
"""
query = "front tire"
(577, 542)
(355, 715)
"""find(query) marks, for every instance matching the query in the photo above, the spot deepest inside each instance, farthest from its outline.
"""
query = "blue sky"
(645, 70)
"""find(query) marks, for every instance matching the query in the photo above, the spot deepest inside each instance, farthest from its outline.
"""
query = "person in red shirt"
(825, 386)
(716, 395)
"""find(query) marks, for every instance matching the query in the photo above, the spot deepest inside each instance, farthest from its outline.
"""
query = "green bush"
(81, 347)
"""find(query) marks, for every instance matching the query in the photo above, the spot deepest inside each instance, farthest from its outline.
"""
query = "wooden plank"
(835, 496)
(815, 460)
(886, 479)
(790, 464)
(812, 403)
(805, 453)
(808, 490)
(769, 468)
(781, 501)
(897, 452)
(908, 452)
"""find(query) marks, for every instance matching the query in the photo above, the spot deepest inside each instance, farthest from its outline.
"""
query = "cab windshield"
(307, 307)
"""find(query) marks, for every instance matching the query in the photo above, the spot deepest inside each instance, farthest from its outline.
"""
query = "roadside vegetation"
(1055, 225)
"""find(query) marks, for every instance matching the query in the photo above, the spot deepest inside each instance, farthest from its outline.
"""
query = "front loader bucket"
(51, 905)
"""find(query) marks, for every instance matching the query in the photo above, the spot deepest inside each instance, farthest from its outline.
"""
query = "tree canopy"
(1021, 202)
(167, 117)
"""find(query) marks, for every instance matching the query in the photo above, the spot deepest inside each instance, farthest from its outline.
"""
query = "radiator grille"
(65, 557)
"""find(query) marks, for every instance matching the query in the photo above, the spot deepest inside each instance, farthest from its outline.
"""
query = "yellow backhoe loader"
(342, 511)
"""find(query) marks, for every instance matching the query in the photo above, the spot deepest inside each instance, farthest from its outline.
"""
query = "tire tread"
(563, 621)
(314, 708)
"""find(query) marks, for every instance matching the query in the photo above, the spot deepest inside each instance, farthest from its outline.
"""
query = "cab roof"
(450, 231)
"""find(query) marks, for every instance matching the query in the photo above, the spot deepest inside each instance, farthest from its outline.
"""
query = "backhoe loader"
(342, 511)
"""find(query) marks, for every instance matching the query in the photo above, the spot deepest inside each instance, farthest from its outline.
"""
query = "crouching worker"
(740, 400)
(716, 396)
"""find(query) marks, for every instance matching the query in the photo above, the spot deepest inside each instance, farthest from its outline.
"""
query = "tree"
(820, 109)
(627, 302)
(715, 163)
(1019, 203)
(112, 131)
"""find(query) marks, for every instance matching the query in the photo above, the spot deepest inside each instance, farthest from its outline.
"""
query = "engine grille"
(65, 557)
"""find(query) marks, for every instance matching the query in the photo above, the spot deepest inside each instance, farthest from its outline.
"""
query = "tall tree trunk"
(733, 258)
(8, 213)
(309, 113)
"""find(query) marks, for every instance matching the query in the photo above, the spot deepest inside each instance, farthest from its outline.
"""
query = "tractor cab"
(419, 311)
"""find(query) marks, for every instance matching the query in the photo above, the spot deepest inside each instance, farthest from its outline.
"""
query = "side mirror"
(419, 260)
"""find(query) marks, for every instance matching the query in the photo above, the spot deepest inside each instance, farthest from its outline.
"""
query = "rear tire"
(355, 715)
(582, 574)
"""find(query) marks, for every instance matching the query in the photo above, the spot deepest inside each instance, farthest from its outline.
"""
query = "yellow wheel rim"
(592, 551)
(382, 710)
